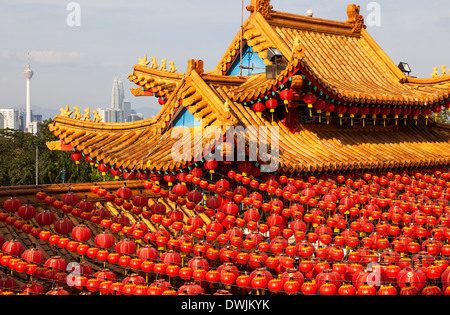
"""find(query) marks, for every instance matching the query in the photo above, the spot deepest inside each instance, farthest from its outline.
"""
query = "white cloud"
(51, 57)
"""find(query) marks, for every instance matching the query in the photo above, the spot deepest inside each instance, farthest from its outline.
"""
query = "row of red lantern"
(261, 279)
(436, 248)
(320, 106)
(433, 248)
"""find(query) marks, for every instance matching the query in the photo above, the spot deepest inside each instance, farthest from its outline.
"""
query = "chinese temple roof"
(336, 61)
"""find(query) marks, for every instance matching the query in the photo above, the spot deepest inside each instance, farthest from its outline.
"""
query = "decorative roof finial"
(261, 6)
(355, 18)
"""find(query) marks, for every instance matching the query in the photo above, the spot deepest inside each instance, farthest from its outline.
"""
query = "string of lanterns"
(323, 229)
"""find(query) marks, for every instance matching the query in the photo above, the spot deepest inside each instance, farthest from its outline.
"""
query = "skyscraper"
(117, 96)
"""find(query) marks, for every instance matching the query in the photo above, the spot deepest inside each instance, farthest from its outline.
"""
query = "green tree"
(18, 152)
(443, 116)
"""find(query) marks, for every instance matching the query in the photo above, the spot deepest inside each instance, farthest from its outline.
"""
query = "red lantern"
(33, 256)
(374, 111)
(329, 108)
(330, 276)
(414, 277)
(77, 157)
(45, 218)
(310, 99)
(26, 212)
(81, 233)
(57, 263)
(104, 240)
(385, 111)
(13, 248)
(63, 226)
(272, 104)
(12, 205)
(352, 110)
(340, 109)
(319, 106)
(103, 168)
(259, 108)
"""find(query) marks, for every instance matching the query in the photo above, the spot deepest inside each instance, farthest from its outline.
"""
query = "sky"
(76, 64)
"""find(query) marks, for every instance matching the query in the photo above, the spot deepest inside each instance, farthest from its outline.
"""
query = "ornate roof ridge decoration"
(356, 19)
(261, 6)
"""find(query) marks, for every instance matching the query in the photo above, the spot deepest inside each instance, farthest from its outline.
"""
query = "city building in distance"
(120, 110)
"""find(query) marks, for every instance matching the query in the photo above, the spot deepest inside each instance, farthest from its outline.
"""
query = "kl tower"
(28, 73)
